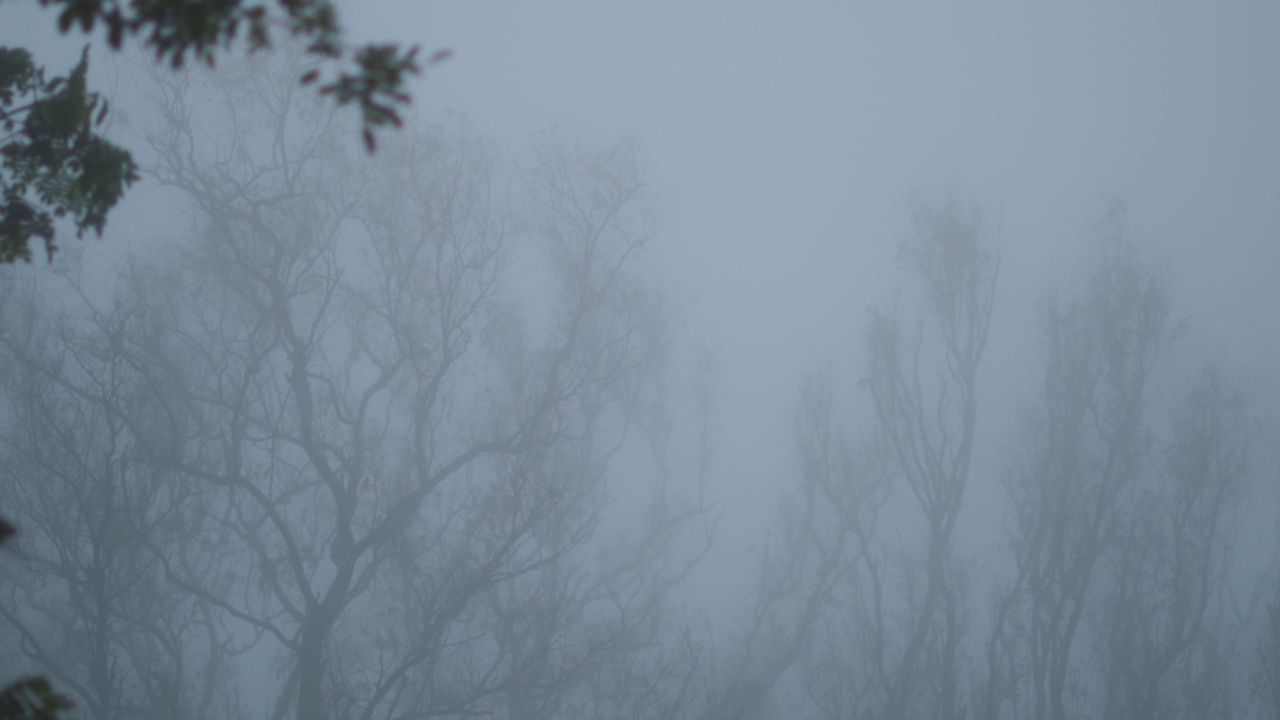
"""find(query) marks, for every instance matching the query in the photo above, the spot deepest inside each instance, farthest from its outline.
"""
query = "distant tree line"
(351, 448)
(1114, 593)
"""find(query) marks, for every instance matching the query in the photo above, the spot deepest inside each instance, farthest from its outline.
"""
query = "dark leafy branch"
(53, 161)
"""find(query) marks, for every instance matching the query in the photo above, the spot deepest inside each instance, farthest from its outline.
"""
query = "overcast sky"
(784, 136)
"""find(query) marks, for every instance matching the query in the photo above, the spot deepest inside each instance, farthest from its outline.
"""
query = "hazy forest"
(645, 415)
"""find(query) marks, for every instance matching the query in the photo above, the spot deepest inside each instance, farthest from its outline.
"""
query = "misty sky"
(785, 136)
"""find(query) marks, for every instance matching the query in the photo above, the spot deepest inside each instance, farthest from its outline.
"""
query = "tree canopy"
(54, 161)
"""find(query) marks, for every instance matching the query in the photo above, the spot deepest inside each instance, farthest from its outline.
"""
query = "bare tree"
(1085, 445)
(404, 456)
(1161, 619)
(87, 595)
(880, 622)
(368, 414)
(1117, 605)
(843, 658)
(1266, 676)
(928, 425)
(797, 577)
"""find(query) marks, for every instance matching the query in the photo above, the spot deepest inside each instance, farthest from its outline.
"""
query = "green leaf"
(65, 19)
(32, 699)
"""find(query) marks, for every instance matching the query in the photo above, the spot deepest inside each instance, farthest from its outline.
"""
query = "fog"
(676, 360)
